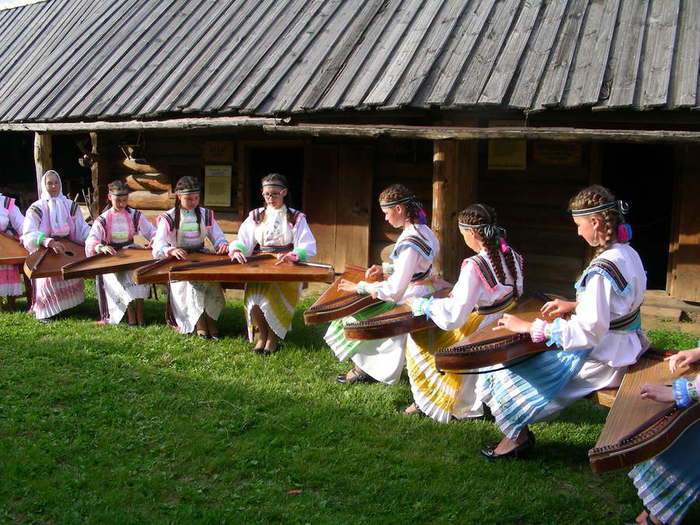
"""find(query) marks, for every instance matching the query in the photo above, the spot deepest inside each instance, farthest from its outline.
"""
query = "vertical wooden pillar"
(455, 173)
(100, 175)
(43, 156)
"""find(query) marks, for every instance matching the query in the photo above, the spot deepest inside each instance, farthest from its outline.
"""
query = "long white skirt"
(190, 300)
(52, 295)
(120, 290)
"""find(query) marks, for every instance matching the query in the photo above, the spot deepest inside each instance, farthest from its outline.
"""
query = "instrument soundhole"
(69, 253)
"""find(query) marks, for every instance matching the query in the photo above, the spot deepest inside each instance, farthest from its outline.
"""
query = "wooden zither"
(124, 260)
(334, 304)
(638, 429)
(45, 263)
(488, 347)
(397, 321)
(11, 250)
(258, 268)
(158, 271)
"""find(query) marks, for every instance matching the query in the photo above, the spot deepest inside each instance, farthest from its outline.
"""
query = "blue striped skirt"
(669, 483)
(517, 394)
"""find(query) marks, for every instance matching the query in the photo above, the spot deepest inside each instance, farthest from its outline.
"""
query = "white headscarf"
(59, 207)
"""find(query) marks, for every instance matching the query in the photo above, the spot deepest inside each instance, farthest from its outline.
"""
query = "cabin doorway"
(643, 175)
(287, 160)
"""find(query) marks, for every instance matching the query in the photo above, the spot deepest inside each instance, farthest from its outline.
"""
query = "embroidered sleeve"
(304, 241)
(245, 241)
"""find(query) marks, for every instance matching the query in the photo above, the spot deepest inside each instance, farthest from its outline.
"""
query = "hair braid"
(595, 196)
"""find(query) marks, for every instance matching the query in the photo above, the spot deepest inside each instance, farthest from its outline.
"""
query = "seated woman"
(184, 229)
(489, 283)
(669, 483)
(278, 229)
(598, 342)
(409, 275)
(11, 220)
(52, 218)
(113, 230)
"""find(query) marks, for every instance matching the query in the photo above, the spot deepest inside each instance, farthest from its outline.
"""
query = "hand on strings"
(656, 392)
(374, 272)
(683, 359)
(148, 245)
(289, 257)
(558, 308)
(179, 254)
(514, 324)
(347, 286)
(238, 257)
(57, 247)
(109, 250)
(222, 249)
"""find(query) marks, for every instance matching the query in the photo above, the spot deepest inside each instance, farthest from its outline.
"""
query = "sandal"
(489, 452)
(202, 334)
(413, 410)
(355, 375)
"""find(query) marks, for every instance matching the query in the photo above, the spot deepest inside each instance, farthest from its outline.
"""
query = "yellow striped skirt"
(277, 302)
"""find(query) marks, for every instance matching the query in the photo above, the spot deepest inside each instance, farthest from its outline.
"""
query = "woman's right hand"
(656, 392)
(108, 250)
(683, 358)
(238, 257)
(558, 307)
(374, 272)
(179, 254)
(57, 247)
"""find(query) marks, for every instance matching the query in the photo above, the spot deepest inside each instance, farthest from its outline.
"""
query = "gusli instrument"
(11, 250)
(45, 263)
(124, 260)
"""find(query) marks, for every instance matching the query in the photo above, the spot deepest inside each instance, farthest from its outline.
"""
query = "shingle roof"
(117, 59)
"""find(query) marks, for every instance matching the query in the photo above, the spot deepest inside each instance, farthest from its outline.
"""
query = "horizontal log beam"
(138, 125)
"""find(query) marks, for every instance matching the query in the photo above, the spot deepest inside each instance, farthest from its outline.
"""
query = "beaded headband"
(397, 202)
(122, 194)
(491, 231)
(189, 191)
(622, 208)
(274, 185)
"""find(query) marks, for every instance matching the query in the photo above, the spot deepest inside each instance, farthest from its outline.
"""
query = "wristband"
(40, 239)
(692, 391)
(387, 268)
(361, 288)
(537, 330)
(680, 392)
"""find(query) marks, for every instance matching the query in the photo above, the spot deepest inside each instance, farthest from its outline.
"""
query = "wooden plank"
(487, 51)
(507, 64)
(626, 54)
(553, 83)
(355, 176)
(659, 48)
(537, 56)
(151, 200)
(684, 88)
(99, 172)
(321, 182)
(43, 156)
(588, 72)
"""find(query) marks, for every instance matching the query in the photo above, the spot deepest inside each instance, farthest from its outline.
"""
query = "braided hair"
(611, 218)
(186, 183)
(414, 209)
(491, 234)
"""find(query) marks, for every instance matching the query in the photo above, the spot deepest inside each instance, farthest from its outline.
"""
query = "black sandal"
(489, 452)
(358, 376)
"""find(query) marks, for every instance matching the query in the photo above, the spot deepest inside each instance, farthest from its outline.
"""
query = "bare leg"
(10, 303)
(202, 326)
(211, 327)
(507, 444)
(263, 330)
(131, 315)
(645, 518)
(272, 341)
(139, 311)
(1, 304)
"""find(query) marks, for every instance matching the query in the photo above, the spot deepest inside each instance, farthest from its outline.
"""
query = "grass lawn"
(141, 425)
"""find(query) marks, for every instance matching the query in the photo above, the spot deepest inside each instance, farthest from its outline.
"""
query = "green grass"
(119, 425)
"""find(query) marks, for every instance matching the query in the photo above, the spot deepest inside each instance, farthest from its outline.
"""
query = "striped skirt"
(669, 483)
(516, 395)
(52, 295)
(344, 348)
(440, 396)
(9, 280)
(277, 302)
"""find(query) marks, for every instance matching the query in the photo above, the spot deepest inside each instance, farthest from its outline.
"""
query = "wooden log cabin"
(514, 103)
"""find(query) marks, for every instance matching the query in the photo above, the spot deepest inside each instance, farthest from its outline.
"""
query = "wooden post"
(43, 156)
(455, 169)
(99, 172)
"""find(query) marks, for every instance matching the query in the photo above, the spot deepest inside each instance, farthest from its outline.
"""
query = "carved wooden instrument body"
(638, 429)
(11, 250)
(45, 263)
(488, 347)
(158, 271)
(397, 321)
(124, 260)
(334, 304)
(258, 268)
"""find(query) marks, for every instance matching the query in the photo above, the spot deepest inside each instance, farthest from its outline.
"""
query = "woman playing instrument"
(113, 230)
(183, 229)
(595, 346)
(281, 230)
(52, 218)
(409, 275)
(11, 220)
(489, 283)
(669, 483)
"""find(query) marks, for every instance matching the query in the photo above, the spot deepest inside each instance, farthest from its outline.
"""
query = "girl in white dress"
(602, 337)
(409, 275)
(113, 230)
(284, 231)
(184, 229)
